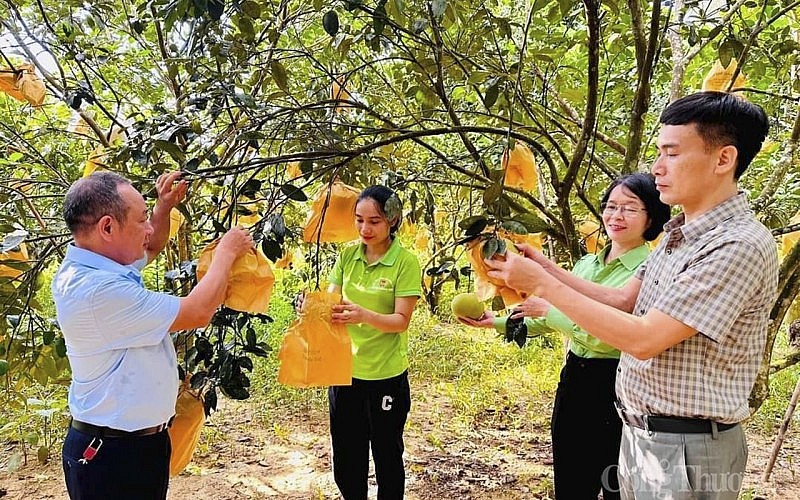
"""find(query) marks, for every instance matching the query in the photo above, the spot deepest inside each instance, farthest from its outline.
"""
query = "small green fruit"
(467, 305)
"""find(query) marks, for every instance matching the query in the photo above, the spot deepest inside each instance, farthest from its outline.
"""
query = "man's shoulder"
(746, 229)
(73, 278)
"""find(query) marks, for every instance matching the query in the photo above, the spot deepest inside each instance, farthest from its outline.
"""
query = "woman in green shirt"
(380, 283)
(585, 427)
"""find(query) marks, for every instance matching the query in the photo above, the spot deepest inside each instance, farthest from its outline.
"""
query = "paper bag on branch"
(185, 429)
(338, 224)
(249, 282)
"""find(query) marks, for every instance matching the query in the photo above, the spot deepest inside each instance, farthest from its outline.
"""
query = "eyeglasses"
(625, 211)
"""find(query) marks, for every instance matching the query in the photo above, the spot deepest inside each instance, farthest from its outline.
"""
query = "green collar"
(388, 258)
(630, 259)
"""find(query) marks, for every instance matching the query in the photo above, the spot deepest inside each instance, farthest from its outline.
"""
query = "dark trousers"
(124, 468)
(586, 430)
(369, 413)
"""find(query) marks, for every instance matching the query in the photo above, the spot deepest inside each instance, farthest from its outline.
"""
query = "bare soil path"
(239, 458)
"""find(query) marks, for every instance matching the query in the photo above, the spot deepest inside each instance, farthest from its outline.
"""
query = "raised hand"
(170, 188)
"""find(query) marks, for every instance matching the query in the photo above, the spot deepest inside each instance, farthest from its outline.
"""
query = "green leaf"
(492, 193)
(490, 247)
(515, 227)
(379, 20)
(250, 188)
(474, 224)
(516, 331)
(272, 249)
(490, 97)
(215, 9)
(250, 337)
(279, 75)
(170, 148)
(48, 336)
(438, 7)
(3, 367)
(61, 347)
(252, 9)
(532, 222)
(330, 21)
(293, 192)
(246, 28)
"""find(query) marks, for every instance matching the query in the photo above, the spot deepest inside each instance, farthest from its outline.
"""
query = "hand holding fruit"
(348, 313)
(485, 321)
(518, 272)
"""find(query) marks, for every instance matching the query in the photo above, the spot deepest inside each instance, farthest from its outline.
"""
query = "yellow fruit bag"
(23, 84)
(718, 78)
(486, 287)
(338, 223)
(316, 352)
(185, 429)
(249, 282)
(520, 167)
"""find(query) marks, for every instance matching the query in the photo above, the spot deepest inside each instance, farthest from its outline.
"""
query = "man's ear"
(105, 226)
(727, 159)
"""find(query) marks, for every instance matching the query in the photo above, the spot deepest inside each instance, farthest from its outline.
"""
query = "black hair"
(388, 203)
(722, 119)
(644, 187)
(91, 198)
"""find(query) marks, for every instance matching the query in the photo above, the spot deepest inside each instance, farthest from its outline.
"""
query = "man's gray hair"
(90, 198)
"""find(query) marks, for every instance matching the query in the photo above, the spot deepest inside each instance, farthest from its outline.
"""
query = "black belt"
(675, 425)
(96, 430)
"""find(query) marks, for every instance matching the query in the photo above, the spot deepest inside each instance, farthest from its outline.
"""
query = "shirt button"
(641, 311)
(619, 370)
(655, 282)
(669, 251)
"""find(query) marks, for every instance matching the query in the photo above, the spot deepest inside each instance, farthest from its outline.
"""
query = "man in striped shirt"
(691, 324)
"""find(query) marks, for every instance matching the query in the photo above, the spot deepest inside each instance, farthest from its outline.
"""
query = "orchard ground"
(478, 430)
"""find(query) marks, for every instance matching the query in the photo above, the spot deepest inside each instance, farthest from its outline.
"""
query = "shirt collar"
(96, 261)
(631, 259)
(388, 258)
(731, 207)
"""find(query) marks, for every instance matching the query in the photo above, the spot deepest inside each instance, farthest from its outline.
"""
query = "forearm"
(642, 337)
(199, 306)
(386, 323)
(605, 295)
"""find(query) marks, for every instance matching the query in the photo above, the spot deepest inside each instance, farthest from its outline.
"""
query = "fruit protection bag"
(336, 223)
(185, 429)
(249, 282)
(486, 287)
(520, 167)
(316, 352)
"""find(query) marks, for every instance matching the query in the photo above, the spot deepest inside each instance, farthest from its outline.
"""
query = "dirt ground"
(240, 459)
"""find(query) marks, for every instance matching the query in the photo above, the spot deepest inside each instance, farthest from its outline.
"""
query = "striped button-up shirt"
(717, 274)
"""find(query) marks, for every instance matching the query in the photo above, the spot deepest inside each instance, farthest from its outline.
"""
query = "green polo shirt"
(590, 267)
(377, 355)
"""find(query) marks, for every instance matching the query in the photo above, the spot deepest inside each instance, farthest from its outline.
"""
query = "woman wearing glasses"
(585, 427)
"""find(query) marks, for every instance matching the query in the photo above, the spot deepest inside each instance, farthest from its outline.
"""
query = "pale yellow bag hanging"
(520, 168)
(23, 84)
(249, 282)
(316, 352)
(339, 222)
(185, 429)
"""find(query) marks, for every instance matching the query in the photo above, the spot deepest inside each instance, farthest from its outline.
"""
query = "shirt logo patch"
(385, 283)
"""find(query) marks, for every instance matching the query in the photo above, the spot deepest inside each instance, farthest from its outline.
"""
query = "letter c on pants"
(387, 403)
